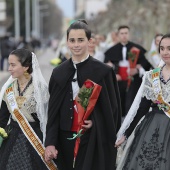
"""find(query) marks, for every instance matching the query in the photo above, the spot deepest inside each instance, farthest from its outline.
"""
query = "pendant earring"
(26, 74)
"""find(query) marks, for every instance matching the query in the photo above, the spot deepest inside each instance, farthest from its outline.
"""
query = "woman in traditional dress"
(148, 146)
(96, 53)
(153, 55)
(23, 101)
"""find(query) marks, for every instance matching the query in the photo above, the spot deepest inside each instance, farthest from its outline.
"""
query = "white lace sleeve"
(145, 86)
(148, 91)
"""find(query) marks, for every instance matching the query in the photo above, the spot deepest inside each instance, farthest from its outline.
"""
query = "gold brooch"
(20, 100)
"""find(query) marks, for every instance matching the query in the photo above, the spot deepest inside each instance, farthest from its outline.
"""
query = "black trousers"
(127, 95)
(66, 151)
(123, 90)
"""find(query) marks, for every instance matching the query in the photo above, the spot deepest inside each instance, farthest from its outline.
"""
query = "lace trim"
(148, 90)
(29, 105)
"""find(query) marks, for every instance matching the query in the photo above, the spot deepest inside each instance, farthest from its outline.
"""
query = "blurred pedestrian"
(22, 43)
(6, 46)
(93, 51)
(119, 57)
(153, 54)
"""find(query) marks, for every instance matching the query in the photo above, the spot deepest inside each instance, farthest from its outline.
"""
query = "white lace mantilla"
(148, 90)
(29, 106)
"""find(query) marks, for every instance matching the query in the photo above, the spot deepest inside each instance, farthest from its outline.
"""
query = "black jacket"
(114, 54)
(106, 115)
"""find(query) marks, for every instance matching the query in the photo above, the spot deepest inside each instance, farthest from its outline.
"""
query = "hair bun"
(82, 20)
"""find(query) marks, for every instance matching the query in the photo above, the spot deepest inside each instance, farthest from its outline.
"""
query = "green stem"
(76, 135)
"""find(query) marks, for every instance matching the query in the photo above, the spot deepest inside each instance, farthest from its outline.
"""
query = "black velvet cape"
(114, 54)
(106, 116)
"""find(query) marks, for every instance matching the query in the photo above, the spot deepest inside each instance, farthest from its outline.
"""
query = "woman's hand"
(118, 143)
(87, 124)
(50, 153)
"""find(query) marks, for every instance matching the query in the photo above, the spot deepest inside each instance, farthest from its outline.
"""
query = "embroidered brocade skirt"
(16, 152)
(150, 147)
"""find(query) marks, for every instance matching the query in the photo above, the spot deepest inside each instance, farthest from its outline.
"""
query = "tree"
(145, 18)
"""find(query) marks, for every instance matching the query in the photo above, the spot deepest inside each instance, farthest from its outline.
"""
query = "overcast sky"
(67, 7)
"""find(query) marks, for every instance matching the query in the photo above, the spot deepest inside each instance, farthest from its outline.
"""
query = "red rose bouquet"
(133, 56)
(85, 103)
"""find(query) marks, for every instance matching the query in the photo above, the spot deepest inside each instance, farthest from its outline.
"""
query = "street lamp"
(35, 18)
(42, 15)
(27, 20)
(17, 19)
(2, 17)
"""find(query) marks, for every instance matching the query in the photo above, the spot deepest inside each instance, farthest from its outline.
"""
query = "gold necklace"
(21, 99)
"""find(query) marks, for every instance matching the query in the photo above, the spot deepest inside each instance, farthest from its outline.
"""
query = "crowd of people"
(132, 111)
(8, 44)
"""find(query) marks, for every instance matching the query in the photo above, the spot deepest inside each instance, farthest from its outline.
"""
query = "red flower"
(133, 56)
(85, 103)
(88, 84)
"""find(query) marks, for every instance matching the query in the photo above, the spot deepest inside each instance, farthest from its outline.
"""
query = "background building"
(90, 8)
(2, 17)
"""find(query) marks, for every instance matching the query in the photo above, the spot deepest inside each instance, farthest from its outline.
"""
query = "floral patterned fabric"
(149, 150)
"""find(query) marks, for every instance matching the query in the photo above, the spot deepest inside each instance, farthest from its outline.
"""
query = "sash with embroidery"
(27, 129)
(158, 92)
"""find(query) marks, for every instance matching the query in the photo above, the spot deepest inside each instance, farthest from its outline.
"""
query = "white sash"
(27, 129)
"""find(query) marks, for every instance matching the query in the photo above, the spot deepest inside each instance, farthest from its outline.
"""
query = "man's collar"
(124, 44)
(76, 62)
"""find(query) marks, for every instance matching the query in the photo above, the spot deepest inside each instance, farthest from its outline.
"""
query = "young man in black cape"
(117, 56)
(96, 151)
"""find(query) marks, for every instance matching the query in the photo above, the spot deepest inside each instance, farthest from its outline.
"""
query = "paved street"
(44, 61)
(44, 57)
